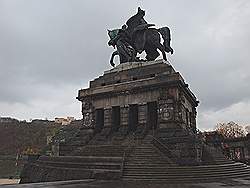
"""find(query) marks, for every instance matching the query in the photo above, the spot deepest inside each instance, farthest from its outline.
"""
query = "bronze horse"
(138, 36)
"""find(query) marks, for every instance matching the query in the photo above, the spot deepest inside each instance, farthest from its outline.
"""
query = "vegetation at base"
(20, 138)
(25, 137)
(8, 168)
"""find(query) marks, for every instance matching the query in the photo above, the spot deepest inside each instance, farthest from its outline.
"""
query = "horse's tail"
(165, 33)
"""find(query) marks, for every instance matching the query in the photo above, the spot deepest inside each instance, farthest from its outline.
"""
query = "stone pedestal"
(148, 88)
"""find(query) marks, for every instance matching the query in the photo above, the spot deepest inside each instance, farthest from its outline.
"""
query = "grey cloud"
(48, 44)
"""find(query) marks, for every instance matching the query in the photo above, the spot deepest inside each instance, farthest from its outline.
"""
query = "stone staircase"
(204, 173)
(181, 143)
(212, 155)
(62, 168)
(82, 162)
(100, 151)
(88, 162)
(87, 137)
(144, 158)
(101, 137)
(147, 163)
(78, 140)
(137, 158)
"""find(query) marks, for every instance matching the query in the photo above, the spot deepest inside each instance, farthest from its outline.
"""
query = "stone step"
(136, 172)
(99, 154)
(186, 179)
(36, 173)
(145, 156)
(159, 166)
(150, 169)
(89, 165)
(144, 146)
(144, 153)
(99, 151)
(141, 157)
(145, 161)
(102, 151)
(162, 167)
(79, 159)
(155, 176)
(131, 157)
(178, 175)
(219, 162)
(144, 150)
(201, 166)
(223, 162)
(76, 169)
(151, 151)
(149, 148)
(147, 164)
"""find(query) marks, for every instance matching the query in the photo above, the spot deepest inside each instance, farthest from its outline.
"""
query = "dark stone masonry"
(139, 123)
(139, 97)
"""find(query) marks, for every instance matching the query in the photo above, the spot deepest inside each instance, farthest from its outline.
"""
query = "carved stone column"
(88, 114)
(166, 110)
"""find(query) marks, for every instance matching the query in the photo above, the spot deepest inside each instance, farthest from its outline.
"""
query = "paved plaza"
(237, 183)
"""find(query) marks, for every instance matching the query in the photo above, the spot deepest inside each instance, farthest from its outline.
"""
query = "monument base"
(139, 123)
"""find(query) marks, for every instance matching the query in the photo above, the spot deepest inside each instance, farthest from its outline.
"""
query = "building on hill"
(36, 121)
(64, 121)
(8, 120)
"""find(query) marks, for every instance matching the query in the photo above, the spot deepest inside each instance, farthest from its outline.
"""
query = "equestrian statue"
(137, 36)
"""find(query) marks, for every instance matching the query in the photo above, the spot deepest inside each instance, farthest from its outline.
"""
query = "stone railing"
(130, 145)
(162, 147)
(123, 163)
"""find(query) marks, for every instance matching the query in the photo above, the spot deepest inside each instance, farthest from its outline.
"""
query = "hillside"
(22, 137)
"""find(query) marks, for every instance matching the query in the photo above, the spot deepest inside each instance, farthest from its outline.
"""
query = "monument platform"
(139, 124)
(232, 183)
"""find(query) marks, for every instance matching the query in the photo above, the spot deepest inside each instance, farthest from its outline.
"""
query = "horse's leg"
(158, 45)
(162, 49)
(152, 53)
(112, 58)
(133, 56)
(154, 39)
(123, 51)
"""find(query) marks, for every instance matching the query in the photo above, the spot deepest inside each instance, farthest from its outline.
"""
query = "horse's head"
(113, 33)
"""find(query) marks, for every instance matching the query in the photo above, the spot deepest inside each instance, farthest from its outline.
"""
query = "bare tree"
(247, 129)
(230, 130)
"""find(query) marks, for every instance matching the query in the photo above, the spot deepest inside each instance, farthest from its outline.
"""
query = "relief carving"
(87, 111)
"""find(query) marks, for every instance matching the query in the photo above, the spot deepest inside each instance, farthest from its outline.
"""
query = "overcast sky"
(49, 49)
